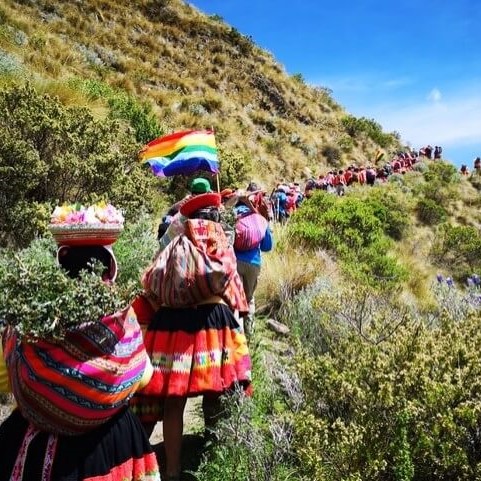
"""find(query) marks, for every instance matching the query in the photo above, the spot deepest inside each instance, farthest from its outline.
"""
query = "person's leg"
(249, 274)
(212, 411)
(173, 430)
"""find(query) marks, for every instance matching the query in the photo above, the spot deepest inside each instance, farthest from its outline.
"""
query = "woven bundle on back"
(76, 385)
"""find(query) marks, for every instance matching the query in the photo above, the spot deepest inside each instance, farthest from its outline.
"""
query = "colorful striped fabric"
(182, 153)
(75, 385)
(196, 351)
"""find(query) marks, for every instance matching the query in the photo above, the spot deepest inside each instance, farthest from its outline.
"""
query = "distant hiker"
(428, 152)
(396, 165)
(348, 176)
(370, 176)
(464, 170)
(437, 152)
(279, 202)
(309, 188)
(477, 164)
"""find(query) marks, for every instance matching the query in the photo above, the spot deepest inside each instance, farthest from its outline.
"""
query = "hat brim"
(200, 201)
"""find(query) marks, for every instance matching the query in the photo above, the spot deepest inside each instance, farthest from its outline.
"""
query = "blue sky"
(412, 65)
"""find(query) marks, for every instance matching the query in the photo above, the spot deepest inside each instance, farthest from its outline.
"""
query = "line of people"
(183, 335)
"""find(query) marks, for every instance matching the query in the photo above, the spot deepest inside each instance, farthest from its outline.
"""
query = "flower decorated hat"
(76, 224)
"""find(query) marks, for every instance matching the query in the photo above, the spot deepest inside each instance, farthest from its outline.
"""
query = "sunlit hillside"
(195, 71)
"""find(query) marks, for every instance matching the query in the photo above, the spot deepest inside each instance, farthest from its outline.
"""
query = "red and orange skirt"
(194, 351)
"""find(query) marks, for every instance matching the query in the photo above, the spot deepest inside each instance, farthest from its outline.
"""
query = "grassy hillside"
(194, 71)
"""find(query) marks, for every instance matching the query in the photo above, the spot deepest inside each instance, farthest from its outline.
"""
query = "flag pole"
(216, 175)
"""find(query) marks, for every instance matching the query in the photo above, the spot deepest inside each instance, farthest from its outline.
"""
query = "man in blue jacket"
(249, 267)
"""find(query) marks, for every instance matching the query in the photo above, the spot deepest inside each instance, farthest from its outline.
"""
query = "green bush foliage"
(123, 106)
(333, 155)
(404, 409)
(388, 393)
(51, 154)
(356, 230)
(441, 179)
(41, 300)
(235, 167)
(430, 213)
(356, 127)
(134, 250)
(458, 249)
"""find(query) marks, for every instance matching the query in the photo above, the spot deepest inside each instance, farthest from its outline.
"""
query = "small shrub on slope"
(388, 394)
(41, 300)
(355, 230)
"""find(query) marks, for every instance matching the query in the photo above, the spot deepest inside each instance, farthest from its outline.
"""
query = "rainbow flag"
(182, 153)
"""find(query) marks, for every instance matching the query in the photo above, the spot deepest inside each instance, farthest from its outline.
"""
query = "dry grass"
(287, 270)
(167, 52)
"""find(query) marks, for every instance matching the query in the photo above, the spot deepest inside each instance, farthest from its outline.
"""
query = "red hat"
(201, 201)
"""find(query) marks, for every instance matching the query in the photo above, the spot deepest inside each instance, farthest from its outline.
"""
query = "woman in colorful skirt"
(195, 343)
(73, 422)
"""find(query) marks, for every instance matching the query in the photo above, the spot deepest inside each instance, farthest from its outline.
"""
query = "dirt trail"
(193, 423)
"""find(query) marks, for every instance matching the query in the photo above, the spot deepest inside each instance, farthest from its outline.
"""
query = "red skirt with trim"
(194, 351)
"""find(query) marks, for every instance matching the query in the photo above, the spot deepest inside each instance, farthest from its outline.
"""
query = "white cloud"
(451, 122)
(434, 95)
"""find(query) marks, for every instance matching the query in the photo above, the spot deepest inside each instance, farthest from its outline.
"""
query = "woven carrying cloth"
(195, 266)
(249, 231)
(76, 385)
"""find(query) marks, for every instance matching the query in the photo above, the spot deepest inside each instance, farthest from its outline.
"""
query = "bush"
(332, 154)
(41, 300)
(51, 154)
(430, 213)
(458, 248)
(125, 107)
(134, 251)
(235, 167)
(402, 405)
(391, 206)
(356, 127)
(354, 230)
(441, 172)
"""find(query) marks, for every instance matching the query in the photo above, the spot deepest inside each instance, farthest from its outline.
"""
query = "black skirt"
(116, 450)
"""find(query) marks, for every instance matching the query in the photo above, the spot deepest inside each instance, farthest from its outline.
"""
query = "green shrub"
(356, 127)
(356, 230)
(458, 249)
(429, 212)
(332, 154)
(125, 107)
(134, 250)
(443, 172)
(391, 206)
(52, 154)
(235, 167)
(41, 300)
(406, 408)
